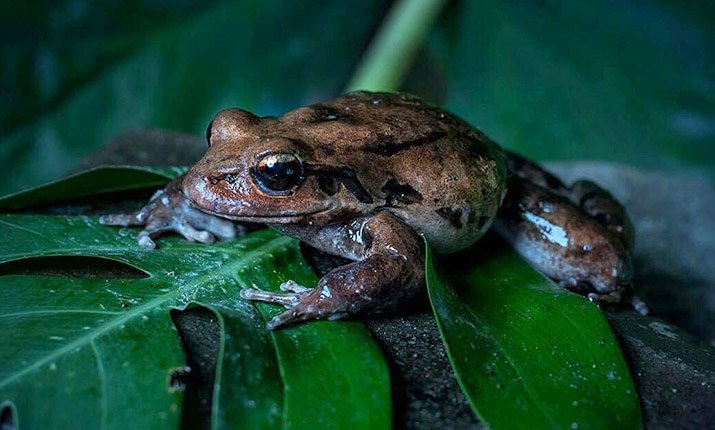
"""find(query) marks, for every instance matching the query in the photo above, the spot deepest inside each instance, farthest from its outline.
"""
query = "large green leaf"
(629, 81)
(266, 57)
(527, 353)
(94, 350)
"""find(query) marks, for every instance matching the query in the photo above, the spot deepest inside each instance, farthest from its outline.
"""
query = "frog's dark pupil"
(208, 133)
(278, 172)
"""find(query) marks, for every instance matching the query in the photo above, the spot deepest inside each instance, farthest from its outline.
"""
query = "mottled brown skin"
(362, 176)
(383, 152)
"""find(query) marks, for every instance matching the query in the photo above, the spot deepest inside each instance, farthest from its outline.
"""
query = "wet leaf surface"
(84, 351)
(527, 353)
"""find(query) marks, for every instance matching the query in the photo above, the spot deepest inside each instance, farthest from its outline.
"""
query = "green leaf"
(574, 80)
(88, 341)
(92, 182)
(173, 72)
(527, 353)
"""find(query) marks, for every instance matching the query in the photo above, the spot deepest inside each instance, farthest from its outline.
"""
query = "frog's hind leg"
(597, 203)
(562, 241)
(610, 213)
(587, 195)
(602, 206)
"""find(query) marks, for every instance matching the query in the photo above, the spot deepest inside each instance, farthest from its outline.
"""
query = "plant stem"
(392, 52)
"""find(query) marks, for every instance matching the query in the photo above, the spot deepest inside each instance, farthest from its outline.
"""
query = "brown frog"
(362, 177)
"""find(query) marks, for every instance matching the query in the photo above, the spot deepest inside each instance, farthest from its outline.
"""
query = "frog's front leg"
(169, 210)
(388, 270)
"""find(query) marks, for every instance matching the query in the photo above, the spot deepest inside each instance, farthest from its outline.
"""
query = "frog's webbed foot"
(302, 303)
(169, 210)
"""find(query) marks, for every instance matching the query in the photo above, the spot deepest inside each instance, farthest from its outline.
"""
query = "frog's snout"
(209, 190)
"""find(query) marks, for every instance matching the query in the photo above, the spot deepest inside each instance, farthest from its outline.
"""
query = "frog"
(371, 176)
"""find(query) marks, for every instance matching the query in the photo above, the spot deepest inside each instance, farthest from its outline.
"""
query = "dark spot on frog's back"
(388, 145)
(472, 218)
(396, 192)
(328, 185)
(453, 215)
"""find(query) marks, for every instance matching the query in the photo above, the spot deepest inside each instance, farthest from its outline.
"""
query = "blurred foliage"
(631, 81)
(628, 81)
(78, 72)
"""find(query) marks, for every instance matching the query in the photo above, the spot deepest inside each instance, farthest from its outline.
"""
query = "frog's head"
(248, 174)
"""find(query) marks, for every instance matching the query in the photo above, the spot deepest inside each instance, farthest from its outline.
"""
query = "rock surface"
(675, 273)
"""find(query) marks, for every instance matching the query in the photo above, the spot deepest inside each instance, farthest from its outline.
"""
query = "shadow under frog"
(362, 177)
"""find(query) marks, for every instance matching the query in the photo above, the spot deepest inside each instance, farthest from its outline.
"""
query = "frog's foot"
(302, 303)
(610, 297)
(622, 294)
(636, 303)
(639, 305)
(170, 211)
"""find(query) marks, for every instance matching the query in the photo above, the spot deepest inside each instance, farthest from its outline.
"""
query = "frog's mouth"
(269, 219)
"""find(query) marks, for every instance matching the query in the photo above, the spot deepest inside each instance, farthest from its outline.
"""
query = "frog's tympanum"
(362, 177)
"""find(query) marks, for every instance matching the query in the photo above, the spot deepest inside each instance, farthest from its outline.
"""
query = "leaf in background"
(266, 57)
(527, 353)
(88, 341)
(632, 81)
(92, 182)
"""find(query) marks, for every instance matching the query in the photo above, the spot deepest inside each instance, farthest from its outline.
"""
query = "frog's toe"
(123, 220)
(192, 234)
(639, 305)
(294, 287)
(221, 228)
(291, 316)
(306, 309)
(145, 240)
(151, 231)
(288, 300)
(611, 297)
(301, 303)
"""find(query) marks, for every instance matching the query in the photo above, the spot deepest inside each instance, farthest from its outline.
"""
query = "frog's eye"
(208, 132)
(278, 173)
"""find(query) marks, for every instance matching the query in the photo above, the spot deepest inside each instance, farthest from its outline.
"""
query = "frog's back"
(428, 167)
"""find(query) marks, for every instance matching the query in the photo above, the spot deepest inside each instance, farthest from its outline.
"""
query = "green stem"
(392, 51)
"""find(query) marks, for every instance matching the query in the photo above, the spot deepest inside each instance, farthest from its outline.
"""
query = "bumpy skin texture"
(362, 176)
(377, 151)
